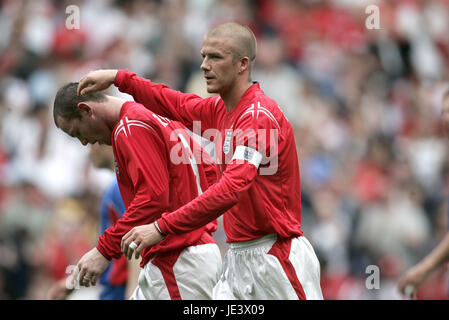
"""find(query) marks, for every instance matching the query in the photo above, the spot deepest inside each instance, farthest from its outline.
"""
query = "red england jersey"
(158, 169)
(259, 188)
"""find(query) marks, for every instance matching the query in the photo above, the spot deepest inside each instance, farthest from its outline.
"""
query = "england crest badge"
(227, 142)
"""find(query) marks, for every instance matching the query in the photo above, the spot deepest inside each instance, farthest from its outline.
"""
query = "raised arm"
(159, 98)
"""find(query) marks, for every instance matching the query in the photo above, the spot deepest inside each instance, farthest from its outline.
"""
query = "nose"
(84, 141)
(205, 65)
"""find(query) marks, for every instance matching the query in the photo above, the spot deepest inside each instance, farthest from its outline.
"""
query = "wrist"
(115, 77)
(102, 252)
(158, 228)
(427, 265)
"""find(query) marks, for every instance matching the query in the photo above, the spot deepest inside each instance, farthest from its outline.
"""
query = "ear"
(243, 64)
(84, 108)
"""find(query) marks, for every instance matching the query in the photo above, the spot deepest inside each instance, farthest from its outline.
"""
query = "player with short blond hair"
(259, 190)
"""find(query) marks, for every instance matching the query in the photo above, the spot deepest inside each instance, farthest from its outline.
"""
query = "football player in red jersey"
(152, 179)
(259, 188)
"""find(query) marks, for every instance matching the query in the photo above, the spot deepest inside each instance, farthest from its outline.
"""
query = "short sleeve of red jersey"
(159, 98)
(139, 150)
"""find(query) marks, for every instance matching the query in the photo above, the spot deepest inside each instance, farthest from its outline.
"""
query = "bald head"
(242, 39)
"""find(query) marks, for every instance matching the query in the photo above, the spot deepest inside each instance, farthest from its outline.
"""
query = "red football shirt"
(158, 169)
(259, 189)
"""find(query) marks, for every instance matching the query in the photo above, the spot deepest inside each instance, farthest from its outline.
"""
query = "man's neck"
(114, 106)
(232, 98)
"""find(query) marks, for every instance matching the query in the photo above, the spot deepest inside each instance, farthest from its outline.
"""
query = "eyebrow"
(213, 51)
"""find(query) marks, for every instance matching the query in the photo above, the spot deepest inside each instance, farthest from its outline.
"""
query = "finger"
(88, 279)
(131, 250)
(139, 249)
(82, 272)
(82, 282)
(72, 278)
(122, 245)
(125, 239)
(403, 283)
(409, 291)
(83, 83)
(129, 253)
(126, 249)
(94, 280)
(400, 287)
(79, 88)
(70, 281)
(89, 89)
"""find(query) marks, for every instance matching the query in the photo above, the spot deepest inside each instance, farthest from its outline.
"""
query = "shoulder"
(135, 111)
(135, 119)
(261, 112)
(215, 105)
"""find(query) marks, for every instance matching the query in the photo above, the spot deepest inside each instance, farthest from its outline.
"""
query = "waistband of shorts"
(244, 245)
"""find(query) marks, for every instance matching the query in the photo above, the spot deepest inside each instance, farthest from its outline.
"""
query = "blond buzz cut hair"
(243, 39)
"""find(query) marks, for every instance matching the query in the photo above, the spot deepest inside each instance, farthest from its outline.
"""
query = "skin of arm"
(133, 276)
(418, 274)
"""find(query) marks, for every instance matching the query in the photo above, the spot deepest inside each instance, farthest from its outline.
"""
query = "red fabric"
(119, 272)
(165, 263)
(68, 44)
(118, 275)
(281, 250)
(149, 181)
(370, 182)
(254, 204)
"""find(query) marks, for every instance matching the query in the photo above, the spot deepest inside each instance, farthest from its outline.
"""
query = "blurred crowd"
(365, 105)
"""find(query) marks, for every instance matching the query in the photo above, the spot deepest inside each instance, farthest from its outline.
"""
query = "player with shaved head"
(243, 41)
(258, 192)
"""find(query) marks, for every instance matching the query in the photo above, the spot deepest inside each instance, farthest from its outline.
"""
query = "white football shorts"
(268, 268)
(188, 274)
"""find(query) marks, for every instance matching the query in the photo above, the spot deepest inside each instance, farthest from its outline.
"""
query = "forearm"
(138, 213)
(164, 101)
(142, 90)
(437, 256)
(207, 207)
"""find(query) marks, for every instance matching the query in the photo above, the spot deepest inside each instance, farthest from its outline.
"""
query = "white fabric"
(249, 272)
(196, 270)
(248, 154)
